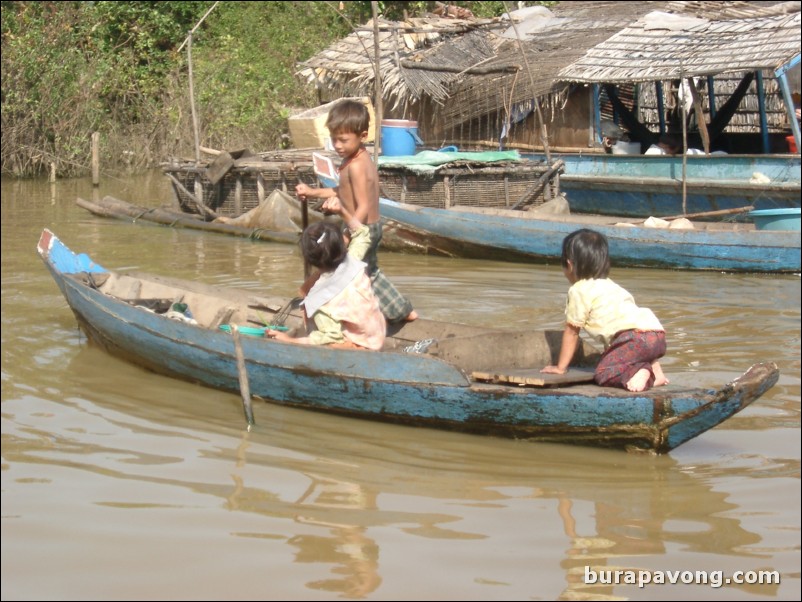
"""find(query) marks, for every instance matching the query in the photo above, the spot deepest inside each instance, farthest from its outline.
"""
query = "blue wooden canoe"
(468, 379)
(532, 236)
(651, 185)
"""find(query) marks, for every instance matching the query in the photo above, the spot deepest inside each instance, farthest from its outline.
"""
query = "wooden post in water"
(95, 158)
(53, 172)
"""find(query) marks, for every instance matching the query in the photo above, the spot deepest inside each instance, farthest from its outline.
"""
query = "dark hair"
(349, 116)
(588, 252)
(670, 141)
(323, 246)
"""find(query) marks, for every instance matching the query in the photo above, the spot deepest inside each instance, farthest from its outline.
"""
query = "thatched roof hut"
(470, 80)
(347, 67)
(662, 45)
(710, 46)
(448, 72)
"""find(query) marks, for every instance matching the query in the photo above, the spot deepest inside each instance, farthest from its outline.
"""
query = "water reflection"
(631, 509)
(336, 497)
(353, 555)
(326, 503)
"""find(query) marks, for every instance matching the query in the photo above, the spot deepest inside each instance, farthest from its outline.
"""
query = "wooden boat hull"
(395, 236)
(423, 389)
(646, 185)
(531, 236)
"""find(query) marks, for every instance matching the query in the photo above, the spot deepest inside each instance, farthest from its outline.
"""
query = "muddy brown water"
(120, 484)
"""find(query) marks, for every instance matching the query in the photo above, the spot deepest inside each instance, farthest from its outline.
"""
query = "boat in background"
(642, 186)
(535, 236)
(624, 186)
(285, 229)
(429, 373)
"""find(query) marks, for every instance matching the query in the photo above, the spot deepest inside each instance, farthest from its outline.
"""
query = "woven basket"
(469, 186)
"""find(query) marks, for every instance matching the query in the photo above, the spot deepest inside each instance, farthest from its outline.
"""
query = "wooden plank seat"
(532, 377)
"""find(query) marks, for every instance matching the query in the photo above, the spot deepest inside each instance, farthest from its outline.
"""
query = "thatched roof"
(466, 69)
(346, 68)
(663, 45)
(541, 46)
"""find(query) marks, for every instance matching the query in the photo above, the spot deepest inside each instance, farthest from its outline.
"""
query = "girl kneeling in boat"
(633, 337)
(340, 299)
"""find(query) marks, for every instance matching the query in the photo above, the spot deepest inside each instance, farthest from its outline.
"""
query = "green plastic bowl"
(251, 330)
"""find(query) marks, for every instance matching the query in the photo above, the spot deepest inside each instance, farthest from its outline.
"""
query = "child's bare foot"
(639, 381)
(660, 378)
(412, 316)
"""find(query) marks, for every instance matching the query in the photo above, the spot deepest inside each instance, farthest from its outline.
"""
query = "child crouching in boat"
(339, 298)
(633, 337)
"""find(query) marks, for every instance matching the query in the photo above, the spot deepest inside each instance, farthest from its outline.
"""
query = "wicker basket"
(469, 185)
(240, 190)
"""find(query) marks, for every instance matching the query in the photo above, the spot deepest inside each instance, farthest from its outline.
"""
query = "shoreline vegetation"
(70, 69)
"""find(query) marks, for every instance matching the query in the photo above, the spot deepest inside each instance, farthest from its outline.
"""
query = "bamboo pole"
(379, 105)
(242, 372)
(195, 127)
(198, 203)
(715, 213)
(684, 146)
(544, 133)
(188, 42)
(542, 182)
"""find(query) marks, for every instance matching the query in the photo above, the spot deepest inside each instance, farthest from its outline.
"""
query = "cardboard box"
(308, 129)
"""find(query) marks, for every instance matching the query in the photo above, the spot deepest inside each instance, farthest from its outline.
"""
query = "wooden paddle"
(716, 213)
(304, 224)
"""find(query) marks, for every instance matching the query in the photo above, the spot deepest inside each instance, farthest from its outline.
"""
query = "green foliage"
(121, 68)
(245, 67)
(69, 68)
(139, 39)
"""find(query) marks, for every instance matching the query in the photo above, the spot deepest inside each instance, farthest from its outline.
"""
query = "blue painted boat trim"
(528, 236)
(651, 185)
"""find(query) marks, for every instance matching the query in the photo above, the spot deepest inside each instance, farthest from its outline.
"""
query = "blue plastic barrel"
(399, 137)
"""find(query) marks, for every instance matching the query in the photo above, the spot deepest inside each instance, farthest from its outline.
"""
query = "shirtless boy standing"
(358, 190)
